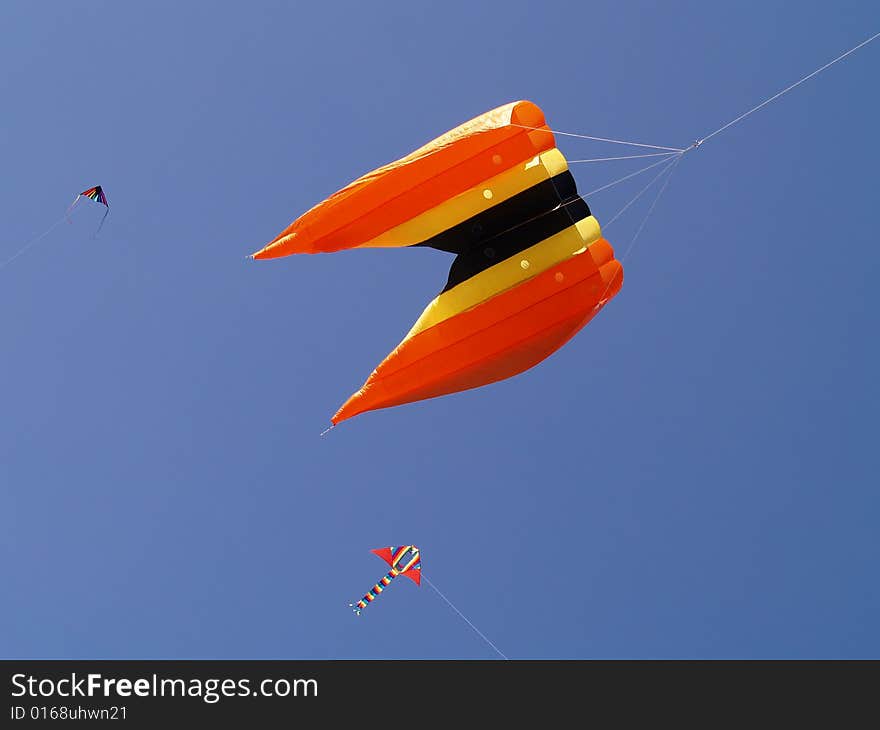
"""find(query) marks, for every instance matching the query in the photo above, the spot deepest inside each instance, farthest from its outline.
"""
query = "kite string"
(671, 167)
(106, 213)
(33, 241)
(784, 91)
(452, 606)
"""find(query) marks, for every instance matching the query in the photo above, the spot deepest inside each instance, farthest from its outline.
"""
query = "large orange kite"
(531, 266)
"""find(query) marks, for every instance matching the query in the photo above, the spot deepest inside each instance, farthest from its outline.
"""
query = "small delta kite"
(531, 267)
(404, 560)
(97, 194)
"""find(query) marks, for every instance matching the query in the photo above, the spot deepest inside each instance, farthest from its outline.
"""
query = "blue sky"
(694, 475)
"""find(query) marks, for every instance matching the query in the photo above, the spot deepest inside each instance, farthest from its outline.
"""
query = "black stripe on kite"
(515, 239)
(484, 226)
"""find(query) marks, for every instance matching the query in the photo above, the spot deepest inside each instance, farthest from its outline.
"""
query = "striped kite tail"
(372, 594)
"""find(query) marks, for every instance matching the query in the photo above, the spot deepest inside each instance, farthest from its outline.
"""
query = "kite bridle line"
(624, 157)
(101, 224)
(598, 139)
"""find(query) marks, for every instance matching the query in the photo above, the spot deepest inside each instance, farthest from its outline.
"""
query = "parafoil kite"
(404, 560)
(531, 267)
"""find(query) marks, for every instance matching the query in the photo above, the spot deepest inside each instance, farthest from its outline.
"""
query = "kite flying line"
(34, 240)
(678, 152)
(452, 606)
(697, 143)
(784, 91)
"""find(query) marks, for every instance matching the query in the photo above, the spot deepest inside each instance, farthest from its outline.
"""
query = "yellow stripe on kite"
(508, 273)
(495, 190)
(413, 561)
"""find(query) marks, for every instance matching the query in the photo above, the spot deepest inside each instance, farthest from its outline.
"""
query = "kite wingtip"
(260, 254)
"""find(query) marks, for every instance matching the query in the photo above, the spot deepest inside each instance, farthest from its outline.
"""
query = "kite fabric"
(531, 267)
(97, 194)
(404, 560)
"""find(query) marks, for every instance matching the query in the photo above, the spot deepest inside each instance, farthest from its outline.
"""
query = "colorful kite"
(97, 194)
(531, 267)
(404, 560)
